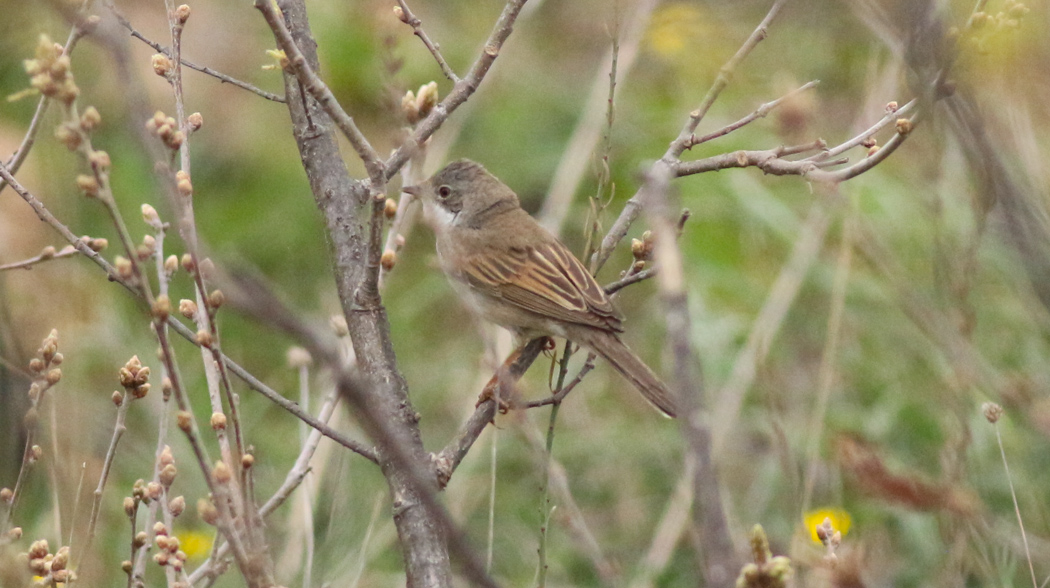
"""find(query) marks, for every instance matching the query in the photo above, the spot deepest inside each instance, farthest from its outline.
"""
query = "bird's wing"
(547, 280)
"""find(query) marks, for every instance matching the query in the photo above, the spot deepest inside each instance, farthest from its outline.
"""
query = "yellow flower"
(840, 521)
(674, 28)
(196, 544)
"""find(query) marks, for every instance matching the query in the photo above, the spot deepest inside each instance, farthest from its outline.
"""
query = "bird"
(512, 272)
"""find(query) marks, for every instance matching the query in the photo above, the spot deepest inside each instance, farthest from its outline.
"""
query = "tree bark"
(346, 206)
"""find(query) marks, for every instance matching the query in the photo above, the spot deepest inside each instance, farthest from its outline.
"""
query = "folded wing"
(547, 280)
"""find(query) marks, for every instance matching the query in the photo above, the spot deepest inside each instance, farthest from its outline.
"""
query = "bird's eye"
(444, 192)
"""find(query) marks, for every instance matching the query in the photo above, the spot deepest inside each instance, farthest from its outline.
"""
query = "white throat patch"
(438, 217)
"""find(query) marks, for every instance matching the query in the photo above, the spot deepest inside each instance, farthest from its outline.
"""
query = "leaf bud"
(187, 308)
(162, 65)
(218, 421)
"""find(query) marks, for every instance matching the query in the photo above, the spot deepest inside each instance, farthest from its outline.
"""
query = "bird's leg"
(502, 386)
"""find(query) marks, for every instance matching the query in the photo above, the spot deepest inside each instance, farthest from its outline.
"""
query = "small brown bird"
(512, 272)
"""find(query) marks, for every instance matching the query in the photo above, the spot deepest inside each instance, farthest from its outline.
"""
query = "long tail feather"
(630, 366)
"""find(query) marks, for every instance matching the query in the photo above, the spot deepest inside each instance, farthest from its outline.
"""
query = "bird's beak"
(413, 190)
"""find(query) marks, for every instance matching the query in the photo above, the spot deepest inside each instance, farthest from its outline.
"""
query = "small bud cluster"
(982, 27)
(169, 552)
(49, 72)
(642, 251)
(418, 106)
(52, 567)
(46, 373)
(134, 377)
(1009, 17)
(165, 127)
(992, 411)
(766, 570)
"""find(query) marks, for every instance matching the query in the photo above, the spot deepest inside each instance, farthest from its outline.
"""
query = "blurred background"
(848, 341)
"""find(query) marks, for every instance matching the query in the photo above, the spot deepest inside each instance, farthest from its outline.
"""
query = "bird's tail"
(609, 346)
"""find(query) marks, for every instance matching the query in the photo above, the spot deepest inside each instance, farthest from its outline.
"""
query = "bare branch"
(718, 557)
(298, 64)
(405, 15)
(463, 89)
(449, 458)
(226, 79)
(761, 112)
(724, 75)
(47, 254)
(632, 209)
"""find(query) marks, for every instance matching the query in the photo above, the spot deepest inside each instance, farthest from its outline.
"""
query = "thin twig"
(562, 391)
(718, 560)
(761, 112)
(203, 69)
(632, 209)
(630, 278)
(596, 116)
(48, 254)
(408, 17)
(298, 64)
(674, 151)
(118, 431)
(462, 90)
(254, 383)
(1017, 509)
(293, 479)
(867, 133)
(449, 458)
